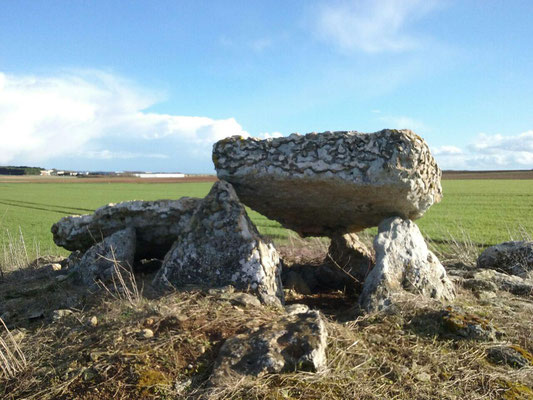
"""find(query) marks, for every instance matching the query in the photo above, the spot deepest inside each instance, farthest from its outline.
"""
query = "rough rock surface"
(157, 224)
(348, 253)
(97, 263)
(468, 326)
(221, 246)
(514, 356)
(294, 342)
(491, 280)
(515, 258)
(403, 262)
(329, 183)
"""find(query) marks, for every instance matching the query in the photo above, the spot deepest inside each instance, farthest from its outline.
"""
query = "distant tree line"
(22, 170)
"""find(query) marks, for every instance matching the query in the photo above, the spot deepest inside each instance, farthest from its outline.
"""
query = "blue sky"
(150, 85)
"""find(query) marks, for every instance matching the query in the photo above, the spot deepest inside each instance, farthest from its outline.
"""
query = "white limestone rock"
(322, 184)
(295, 342)
(98, 263)
(403, 263)
(157, 225)
(221, 246)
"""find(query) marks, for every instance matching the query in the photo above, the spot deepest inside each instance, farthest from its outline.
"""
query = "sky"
(151, 85)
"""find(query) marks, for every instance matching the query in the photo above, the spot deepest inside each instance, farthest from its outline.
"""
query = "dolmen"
(338, 183)
(332, 184)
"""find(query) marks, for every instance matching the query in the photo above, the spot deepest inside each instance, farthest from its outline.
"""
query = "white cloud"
(447, 151)
(270, 135)
(489, 152)
(96, 115)
(372, 26)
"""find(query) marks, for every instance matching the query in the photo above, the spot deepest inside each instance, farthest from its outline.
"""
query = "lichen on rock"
(403, 264)
(327, 183)
(295, 342)
(221, 246)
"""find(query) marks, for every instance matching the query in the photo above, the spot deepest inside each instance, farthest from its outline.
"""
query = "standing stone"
(220, 247)
(329, 183)
(99, 262)
(348, 253)
(514, 258)
(403, 262)
(157, 223)
(294, 342)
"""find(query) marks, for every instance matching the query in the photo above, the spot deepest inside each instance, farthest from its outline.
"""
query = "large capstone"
(157, 225)
(328, 183)
(294, 342)
(403, 264)
(221, 246)
(106, 259)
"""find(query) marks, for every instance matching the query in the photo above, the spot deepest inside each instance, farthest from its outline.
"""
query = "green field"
(484, 211)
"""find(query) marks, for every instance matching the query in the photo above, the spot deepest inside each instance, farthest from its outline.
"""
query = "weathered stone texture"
(349, 253)
(221, 246)
(98, 263)
(157, 224)
(294, 342)
(329, 183)
(403, 262)
(515, 258)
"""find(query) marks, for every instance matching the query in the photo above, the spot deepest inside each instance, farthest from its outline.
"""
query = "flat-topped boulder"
(321, 184)
(157, 225)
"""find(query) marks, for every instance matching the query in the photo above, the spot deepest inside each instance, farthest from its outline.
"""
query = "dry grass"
(401, 354)
(124, 285)
(12, 359)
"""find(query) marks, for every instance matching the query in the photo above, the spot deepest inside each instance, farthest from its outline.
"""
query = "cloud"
(270, 135)
(489, 152)
(372, 26)
(89, 115)
(447, 151)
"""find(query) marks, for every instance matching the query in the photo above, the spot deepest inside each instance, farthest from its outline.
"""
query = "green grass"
(485, 211)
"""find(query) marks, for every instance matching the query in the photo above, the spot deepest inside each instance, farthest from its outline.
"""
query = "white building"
(163, 175)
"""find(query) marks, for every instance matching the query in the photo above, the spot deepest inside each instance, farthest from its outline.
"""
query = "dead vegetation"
(99, 350)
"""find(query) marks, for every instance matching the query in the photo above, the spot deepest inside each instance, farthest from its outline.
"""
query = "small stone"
(61, 278)
(423, 377)
(59, 314)
(296, 309)
(146, 333)
(93, 321)
(53, 267)
(514, 356)
(245, 300)
(469, 326)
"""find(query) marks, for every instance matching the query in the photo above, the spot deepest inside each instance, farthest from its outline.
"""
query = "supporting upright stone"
(331, 183)
(348, 253)
(221, 246)
(403, 263)
(100, 262)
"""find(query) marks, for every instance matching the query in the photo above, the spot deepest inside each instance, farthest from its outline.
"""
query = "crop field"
(480, 212)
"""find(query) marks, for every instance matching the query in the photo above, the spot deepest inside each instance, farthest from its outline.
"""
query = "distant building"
(46, 172)
(159, 175)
